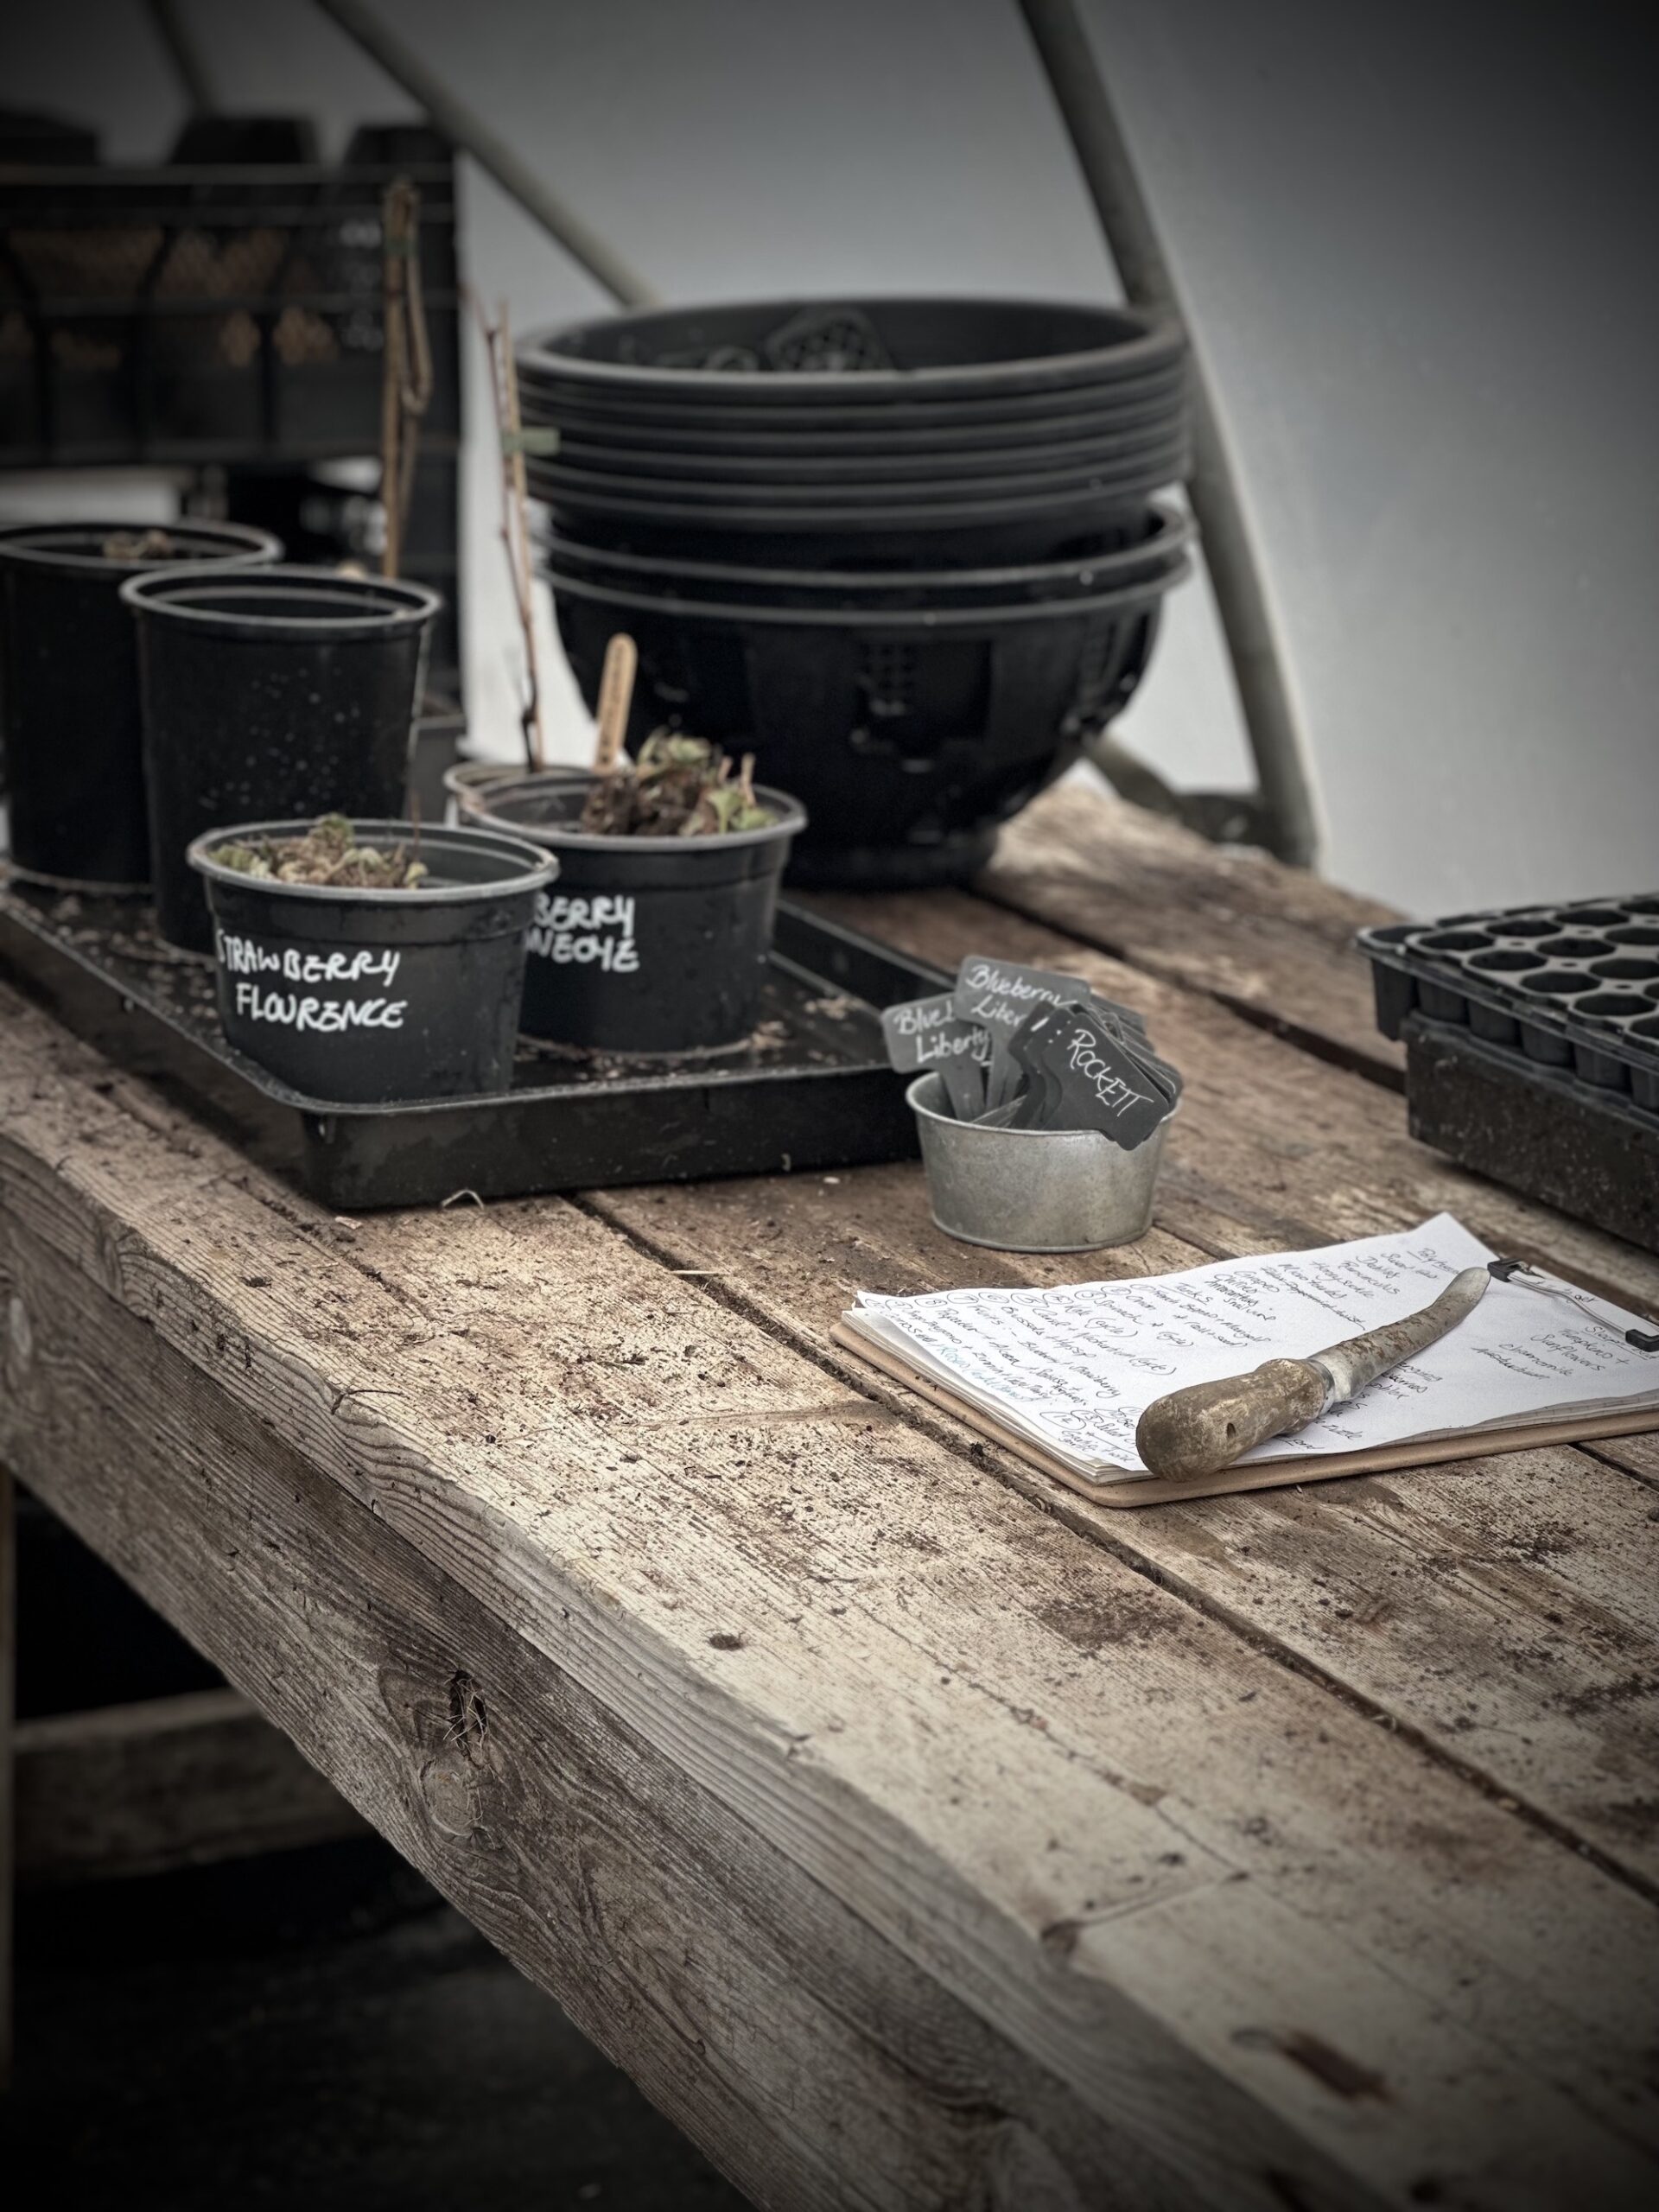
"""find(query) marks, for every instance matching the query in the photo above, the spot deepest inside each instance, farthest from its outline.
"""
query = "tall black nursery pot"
(646, 944)
(365, 996)
(69, 687)
(272, 693)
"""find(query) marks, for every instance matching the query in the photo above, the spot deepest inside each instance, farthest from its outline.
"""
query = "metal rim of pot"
(1157, 339)
(951, 1121)
(536, 867)
(923, 620)
(223, 543)
(385, 603)
(1171, 530)
(791, 817)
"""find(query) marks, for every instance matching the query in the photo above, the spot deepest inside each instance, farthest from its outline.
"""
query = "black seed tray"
(810, 1088)
(1571, 987)
(1587, 1150)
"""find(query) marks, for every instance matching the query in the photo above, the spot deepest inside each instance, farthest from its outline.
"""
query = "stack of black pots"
(907, 551)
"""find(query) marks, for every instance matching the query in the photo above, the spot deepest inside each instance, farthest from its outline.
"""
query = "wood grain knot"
(1345, 2076)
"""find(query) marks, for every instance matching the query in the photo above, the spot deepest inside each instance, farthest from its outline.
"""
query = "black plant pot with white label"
(644, 944)
(362, 997)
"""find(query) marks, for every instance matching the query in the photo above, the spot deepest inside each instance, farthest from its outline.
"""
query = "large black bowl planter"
(280, 692)
(646, 944)
(363, 996)
(1157, 553)
(757, 434)
(907, 736)
(907, 551)
(869, 352)
(69, 686)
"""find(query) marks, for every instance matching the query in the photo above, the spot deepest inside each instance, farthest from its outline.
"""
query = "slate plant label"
(1029, 1049)
(926, 1033)
(906, 1027)
(1101, 1083)
(1000, 994)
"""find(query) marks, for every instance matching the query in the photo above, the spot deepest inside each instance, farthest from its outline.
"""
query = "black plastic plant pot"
(274, 693)
(646, 944)
(880, 433)
(906, 734)
(867, 352)
(1159, 552)
(364, 997)
(942, 471)
(69, 687)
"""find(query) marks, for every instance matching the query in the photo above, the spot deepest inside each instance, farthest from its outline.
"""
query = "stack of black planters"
(907, 551)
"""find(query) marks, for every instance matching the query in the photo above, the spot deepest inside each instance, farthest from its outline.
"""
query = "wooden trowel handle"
(1201, 1430)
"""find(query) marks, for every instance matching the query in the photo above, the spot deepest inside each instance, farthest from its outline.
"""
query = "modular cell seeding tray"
(1573, 986)
(810, 1088)
(1532, 1049)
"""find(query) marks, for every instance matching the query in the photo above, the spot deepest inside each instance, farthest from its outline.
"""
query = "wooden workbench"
(914, 1833)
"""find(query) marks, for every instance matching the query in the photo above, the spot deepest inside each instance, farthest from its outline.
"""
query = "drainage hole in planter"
(1455, 941)
(1554, 983)
(1631, 969)
(1512, 961)
(1575, 948)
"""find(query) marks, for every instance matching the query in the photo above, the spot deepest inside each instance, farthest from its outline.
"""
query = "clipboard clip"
(1529, 1278)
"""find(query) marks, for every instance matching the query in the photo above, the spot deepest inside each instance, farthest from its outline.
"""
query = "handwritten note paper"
(1074, 1368)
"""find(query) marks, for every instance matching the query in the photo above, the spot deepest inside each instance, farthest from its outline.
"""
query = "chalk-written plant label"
(998, 995)
(586, 932)
(1097, 1081)
(303, 988)
(926, 1033)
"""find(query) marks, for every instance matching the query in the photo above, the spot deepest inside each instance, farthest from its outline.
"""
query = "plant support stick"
(615, 697)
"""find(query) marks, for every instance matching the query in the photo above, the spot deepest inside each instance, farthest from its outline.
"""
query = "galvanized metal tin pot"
(1032, 1190)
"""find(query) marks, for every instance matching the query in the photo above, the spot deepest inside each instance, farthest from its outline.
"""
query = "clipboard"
(1262, 1474)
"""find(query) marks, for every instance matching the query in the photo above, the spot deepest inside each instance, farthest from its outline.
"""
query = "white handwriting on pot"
(289, 1011)
(581, 931)
(243, 956)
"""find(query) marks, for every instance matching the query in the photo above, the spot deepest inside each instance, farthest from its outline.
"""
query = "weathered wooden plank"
(879, 1659)
(168, 1782)
(1526, 1649)
(1273, 943)
(821, 2067)
(1507, 1609)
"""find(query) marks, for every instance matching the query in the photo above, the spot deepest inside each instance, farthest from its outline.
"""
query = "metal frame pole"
(468, 131)
(1287, 821)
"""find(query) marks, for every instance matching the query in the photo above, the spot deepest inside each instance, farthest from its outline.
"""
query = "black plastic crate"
(192, 314)
(1571, 986)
